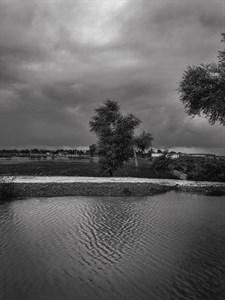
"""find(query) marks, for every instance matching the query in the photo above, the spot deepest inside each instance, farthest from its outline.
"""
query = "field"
(78, 168)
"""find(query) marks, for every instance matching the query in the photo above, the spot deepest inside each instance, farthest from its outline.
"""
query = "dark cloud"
(61, 59)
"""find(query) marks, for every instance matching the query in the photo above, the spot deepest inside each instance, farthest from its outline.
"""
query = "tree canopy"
(115, 133)
(143, 141)
(202, 89)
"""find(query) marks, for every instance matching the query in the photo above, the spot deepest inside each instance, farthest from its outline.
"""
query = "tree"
(143, 141)
(221, 55)
(202, 89)
(92, 150)
(115, 133)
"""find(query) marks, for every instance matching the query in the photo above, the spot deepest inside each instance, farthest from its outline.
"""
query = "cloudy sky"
(61, 59)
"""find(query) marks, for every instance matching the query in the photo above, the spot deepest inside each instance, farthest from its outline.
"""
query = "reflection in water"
(168, 246)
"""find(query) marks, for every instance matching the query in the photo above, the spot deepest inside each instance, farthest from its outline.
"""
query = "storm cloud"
(61, 59)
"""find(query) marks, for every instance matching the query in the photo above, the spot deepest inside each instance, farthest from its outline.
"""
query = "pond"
(168, 246)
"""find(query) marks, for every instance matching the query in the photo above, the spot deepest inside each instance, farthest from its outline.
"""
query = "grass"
(7, 190)
(73, 168)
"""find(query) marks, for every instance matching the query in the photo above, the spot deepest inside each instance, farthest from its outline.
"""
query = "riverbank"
(53, 186)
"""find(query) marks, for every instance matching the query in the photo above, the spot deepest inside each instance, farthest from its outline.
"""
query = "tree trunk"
(110, 172)
(156, 172)
(135, 158)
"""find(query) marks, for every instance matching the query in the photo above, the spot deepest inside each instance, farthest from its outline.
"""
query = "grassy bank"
(53, 186)
(7, 189)
(73, 168)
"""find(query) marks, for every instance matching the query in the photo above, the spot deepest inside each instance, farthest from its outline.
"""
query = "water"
(169, 246)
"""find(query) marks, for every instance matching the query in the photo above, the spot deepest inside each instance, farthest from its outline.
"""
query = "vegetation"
(201, 169)
(202, 90)
(162, 163)
(93, 150)
(7, 189)
(115, 133)
(143, 142)
(42, 152)
(73, 168)
(160, 167)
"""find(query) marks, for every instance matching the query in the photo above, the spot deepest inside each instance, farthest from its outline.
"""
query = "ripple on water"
(169, 246)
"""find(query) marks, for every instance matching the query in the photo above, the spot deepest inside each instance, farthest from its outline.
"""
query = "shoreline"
(53, 186)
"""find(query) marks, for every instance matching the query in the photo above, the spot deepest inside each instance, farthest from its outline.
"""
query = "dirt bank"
(34, 186)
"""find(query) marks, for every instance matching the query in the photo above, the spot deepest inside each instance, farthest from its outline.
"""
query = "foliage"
(201, 169)
(202, 90)
(221, 55)
(93, 150)
(143, 141)
(149, 153)
(207, 170)
(161, 163)
(115, 135)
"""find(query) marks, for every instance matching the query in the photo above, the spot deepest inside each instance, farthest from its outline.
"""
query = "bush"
(209, 171)
(161, 163)
(201, 169)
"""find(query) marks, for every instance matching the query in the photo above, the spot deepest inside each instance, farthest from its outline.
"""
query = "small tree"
(115, 133)
(161, 163)
(143, 141)
(202, 90)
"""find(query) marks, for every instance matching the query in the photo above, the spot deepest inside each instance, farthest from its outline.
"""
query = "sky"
(59, 60)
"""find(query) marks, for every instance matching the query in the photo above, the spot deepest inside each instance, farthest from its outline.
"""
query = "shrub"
(161, 163)
(208, 170)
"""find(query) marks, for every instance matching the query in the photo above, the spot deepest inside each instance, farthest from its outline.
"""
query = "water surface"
(169, 246)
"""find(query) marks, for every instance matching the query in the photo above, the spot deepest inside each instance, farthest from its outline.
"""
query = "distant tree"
(202, 89)
(149, 153)
(165, 152)
(143, 141)
(115, 133)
